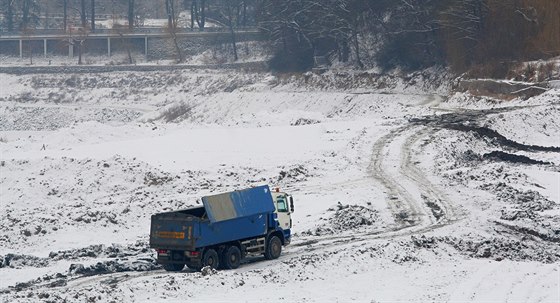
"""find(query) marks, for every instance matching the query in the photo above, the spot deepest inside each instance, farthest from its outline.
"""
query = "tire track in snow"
(432, 196)
(405, 201)
(392, 166)
(400, 201)
(410, 193)
(397, 145)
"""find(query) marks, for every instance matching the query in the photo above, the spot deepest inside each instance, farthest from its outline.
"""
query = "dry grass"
(176, 113)
(529, 72)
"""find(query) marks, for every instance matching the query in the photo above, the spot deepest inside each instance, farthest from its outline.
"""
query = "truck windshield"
(282, 206)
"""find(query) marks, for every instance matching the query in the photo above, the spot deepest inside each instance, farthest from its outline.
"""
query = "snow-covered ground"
(402, 191)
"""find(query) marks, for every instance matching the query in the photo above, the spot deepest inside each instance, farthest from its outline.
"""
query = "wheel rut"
(417, 204)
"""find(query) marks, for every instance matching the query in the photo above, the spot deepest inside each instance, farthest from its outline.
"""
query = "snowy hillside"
(403, 191)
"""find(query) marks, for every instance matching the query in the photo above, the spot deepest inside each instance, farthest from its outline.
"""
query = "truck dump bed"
(177, 229)
(225, 217)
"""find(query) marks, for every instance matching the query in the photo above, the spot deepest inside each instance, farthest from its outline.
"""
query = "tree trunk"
(202, 15)
(233, 43)
(130, 14)
(83, 14)
(344, 51)
(25, 15)
(244, 14)
(237, 16)
(177, 48)
(126, 45)
(230, 21)
(10, 16)
(169, 14)
(47, 16)
(30, 52)
(357, 47)
(172, 24)
(65, 13)
(79, 52)
(93, 15)
(193, 13)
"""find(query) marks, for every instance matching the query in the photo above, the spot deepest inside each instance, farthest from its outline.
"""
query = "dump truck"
(226, 229)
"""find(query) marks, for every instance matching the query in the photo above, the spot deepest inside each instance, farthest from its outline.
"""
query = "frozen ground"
(403, 192)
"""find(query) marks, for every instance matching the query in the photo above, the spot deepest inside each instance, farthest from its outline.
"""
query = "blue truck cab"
(227, 228)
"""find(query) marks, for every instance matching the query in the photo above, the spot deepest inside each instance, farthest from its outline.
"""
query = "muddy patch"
(467, 122)
(507, 157)
(499, 139)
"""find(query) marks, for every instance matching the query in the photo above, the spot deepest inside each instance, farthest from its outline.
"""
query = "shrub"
(493, 70)
(296, 60)
(545, 71)
(176, 113)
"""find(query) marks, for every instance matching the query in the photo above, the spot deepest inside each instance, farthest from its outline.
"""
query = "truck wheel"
(231, 257)
(273, 249)
(173, 267)
(211, 259)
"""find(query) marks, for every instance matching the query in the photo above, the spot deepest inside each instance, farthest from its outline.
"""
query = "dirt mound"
(93, 251)
(75, 270)
(18, 261)
(112, 266)
(304, 121)
(296, 173)
(345, 218)
(528, 201)
(494, 248)
(102, 251)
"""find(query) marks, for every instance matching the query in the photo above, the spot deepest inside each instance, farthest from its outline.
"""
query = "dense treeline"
(409, 34)
(413, 33)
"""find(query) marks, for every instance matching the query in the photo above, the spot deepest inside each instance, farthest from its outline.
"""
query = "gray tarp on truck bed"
(237, 204)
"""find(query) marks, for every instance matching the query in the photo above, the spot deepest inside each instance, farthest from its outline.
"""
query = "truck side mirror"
(291, 203)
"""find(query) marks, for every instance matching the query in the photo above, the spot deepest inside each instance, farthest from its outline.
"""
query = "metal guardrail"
(117, 34)
(18, 43)
(106, 31)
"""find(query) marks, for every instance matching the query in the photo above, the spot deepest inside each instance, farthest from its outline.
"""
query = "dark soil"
(500, 139)
(507, 157)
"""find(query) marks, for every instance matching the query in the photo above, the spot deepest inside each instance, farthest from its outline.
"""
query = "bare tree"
(198, 13)
(171, 16)
(130, 14)
(83, 14)
(309, 27)
(65, 14)
(122, 30)
(78, 39)
(92, 7)
(231, 7)
(29, 19)
(343, 21)
(9, 12)
(230, 12)
(172, 27)
(462, 24)
(29, 14)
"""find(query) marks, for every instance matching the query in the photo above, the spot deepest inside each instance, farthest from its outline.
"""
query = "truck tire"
(211, 259)
(231, 257)
(173, 267)
(273, 248)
